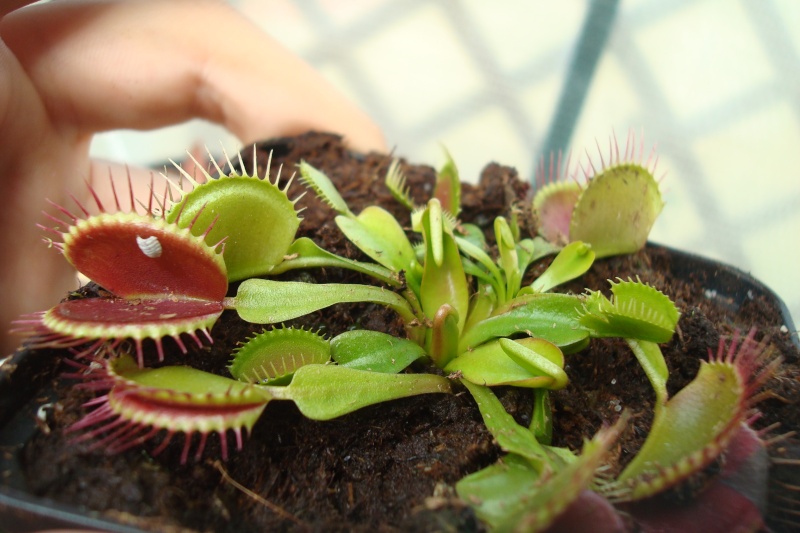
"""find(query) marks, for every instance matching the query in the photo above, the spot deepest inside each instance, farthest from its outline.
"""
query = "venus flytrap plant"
(467, 308)
(437, 284)
(143, 261)
(467, 330)
(258, 221)
(435, 305)
(706, 423)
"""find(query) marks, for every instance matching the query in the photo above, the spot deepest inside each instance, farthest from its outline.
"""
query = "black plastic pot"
(26, 376)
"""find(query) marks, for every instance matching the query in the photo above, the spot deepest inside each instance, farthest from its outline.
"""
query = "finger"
(7, 6)
(101, 66)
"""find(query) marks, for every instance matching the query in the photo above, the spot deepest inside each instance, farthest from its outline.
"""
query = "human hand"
(69, 69)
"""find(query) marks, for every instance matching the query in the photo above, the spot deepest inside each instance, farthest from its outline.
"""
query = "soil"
(391, 467)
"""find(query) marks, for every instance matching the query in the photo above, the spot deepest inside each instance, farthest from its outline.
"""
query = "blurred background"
(714, 84)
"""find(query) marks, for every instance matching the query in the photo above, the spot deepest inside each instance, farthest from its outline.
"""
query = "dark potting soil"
(390, 467)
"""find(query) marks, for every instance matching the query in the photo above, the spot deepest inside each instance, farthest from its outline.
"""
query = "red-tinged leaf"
(77, 322)
(134, 256)
(589, 512)
(448, 186)
(142, 404)
(116, 317)
(553, 206)
(731, 503)
(695, 427)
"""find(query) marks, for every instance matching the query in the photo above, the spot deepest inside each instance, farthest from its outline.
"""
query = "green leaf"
(538, 355)
(483, 302)
(476, 270)
(499, 489)
(542, 416)
(616, 210)
(490, 364)
(525, 252)
(509, 435)
(323, 392)
(378, 234)
(304, 253)
(655, 368)
(543, 248)
(374, 351)
(536, 509)
(444, 336)
(443, 280)
(433, 232)
(550, 316)
(492, 275)
(635, 311)
(263, 301)
(273, 356)
(324, 188)
(507, 247)
(512, 495)
(473, 234)
(573, 261)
